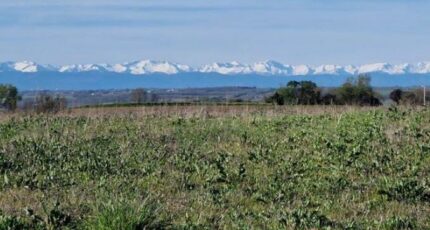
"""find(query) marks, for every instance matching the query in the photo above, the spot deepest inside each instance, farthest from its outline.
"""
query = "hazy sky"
(202, 31)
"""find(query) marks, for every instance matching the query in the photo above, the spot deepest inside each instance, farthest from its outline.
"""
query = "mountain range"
(230, 68)
(29, 75)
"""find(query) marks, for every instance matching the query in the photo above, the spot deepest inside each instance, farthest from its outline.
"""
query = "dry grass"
(203, 111)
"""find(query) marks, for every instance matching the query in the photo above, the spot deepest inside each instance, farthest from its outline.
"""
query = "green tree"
(294, 93)
(309, 93)
(357, 91)
(9, 97)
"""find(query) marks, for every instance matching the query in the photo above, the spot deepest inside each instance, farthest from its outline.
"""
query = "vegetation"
(297, 93)
(9, 97)
(356, 91)
(45, 103)
(139, 96)
(362, 169)
(396, 95)
(407, 97)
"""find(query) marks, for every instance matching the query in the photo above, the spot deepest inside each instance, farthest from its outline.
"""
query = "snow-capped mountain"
(270, 67)
(148, 67)
(137, 68)
(276, 68)
(226, 68)
(24, 67)
(83, 68)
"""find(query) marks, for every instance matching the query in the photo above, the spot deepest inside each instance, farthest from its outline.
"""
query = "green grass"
(356, 170)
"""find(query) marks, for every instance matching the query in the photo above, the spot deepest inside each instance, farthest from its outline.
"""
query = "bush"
(9, 97)
(396, 95)
(45, 103)
(413, 97)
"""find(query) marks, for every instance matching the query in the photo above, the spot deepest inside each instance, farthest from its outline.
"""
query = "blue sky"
(202, 31)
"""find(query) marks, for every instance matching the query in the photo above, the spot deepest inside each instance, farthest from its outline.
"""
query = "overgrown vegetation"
(355, 170)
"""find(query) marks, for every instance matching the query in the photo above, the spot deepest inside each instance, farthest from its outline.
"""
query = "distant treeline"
(355, 91)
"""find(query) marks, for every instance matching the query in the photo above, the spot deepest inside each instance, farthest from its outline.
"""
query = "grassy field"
(215, 167)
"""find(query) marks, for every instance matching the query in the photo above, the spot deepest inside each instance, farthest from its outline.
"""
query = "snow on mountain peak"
(26, 66)
(272, 67)
(421, 67)
(82, 68)
(377, 67)
(226, 68)
(268, 67)
(301, 70)
(328, 69)
(148, 66)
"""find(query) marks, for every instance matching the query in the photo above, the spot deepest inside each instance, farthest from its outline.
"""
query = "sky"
(197, 32)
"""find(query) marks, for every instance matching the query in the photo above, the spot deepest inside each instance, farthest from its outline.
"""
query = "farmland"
(197, 167)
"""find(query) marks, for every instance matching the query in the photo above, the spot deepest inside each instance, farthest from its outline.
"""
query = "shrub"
(412, 97)
(396, 95)
(45, 103)
(9, 97)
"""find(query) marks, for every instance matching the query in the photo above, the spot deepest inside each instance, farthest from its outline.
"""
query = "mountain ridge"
(268, 67)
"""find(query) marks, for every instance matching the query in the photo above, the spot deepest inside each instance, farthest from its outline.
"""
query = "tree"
(9, 97)
(275, 98)
(46, 103)
(357, 91)
(328, 99)
(396, 95)
(139, 95)
(302, 93)
(309, 93)
(407, 97)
